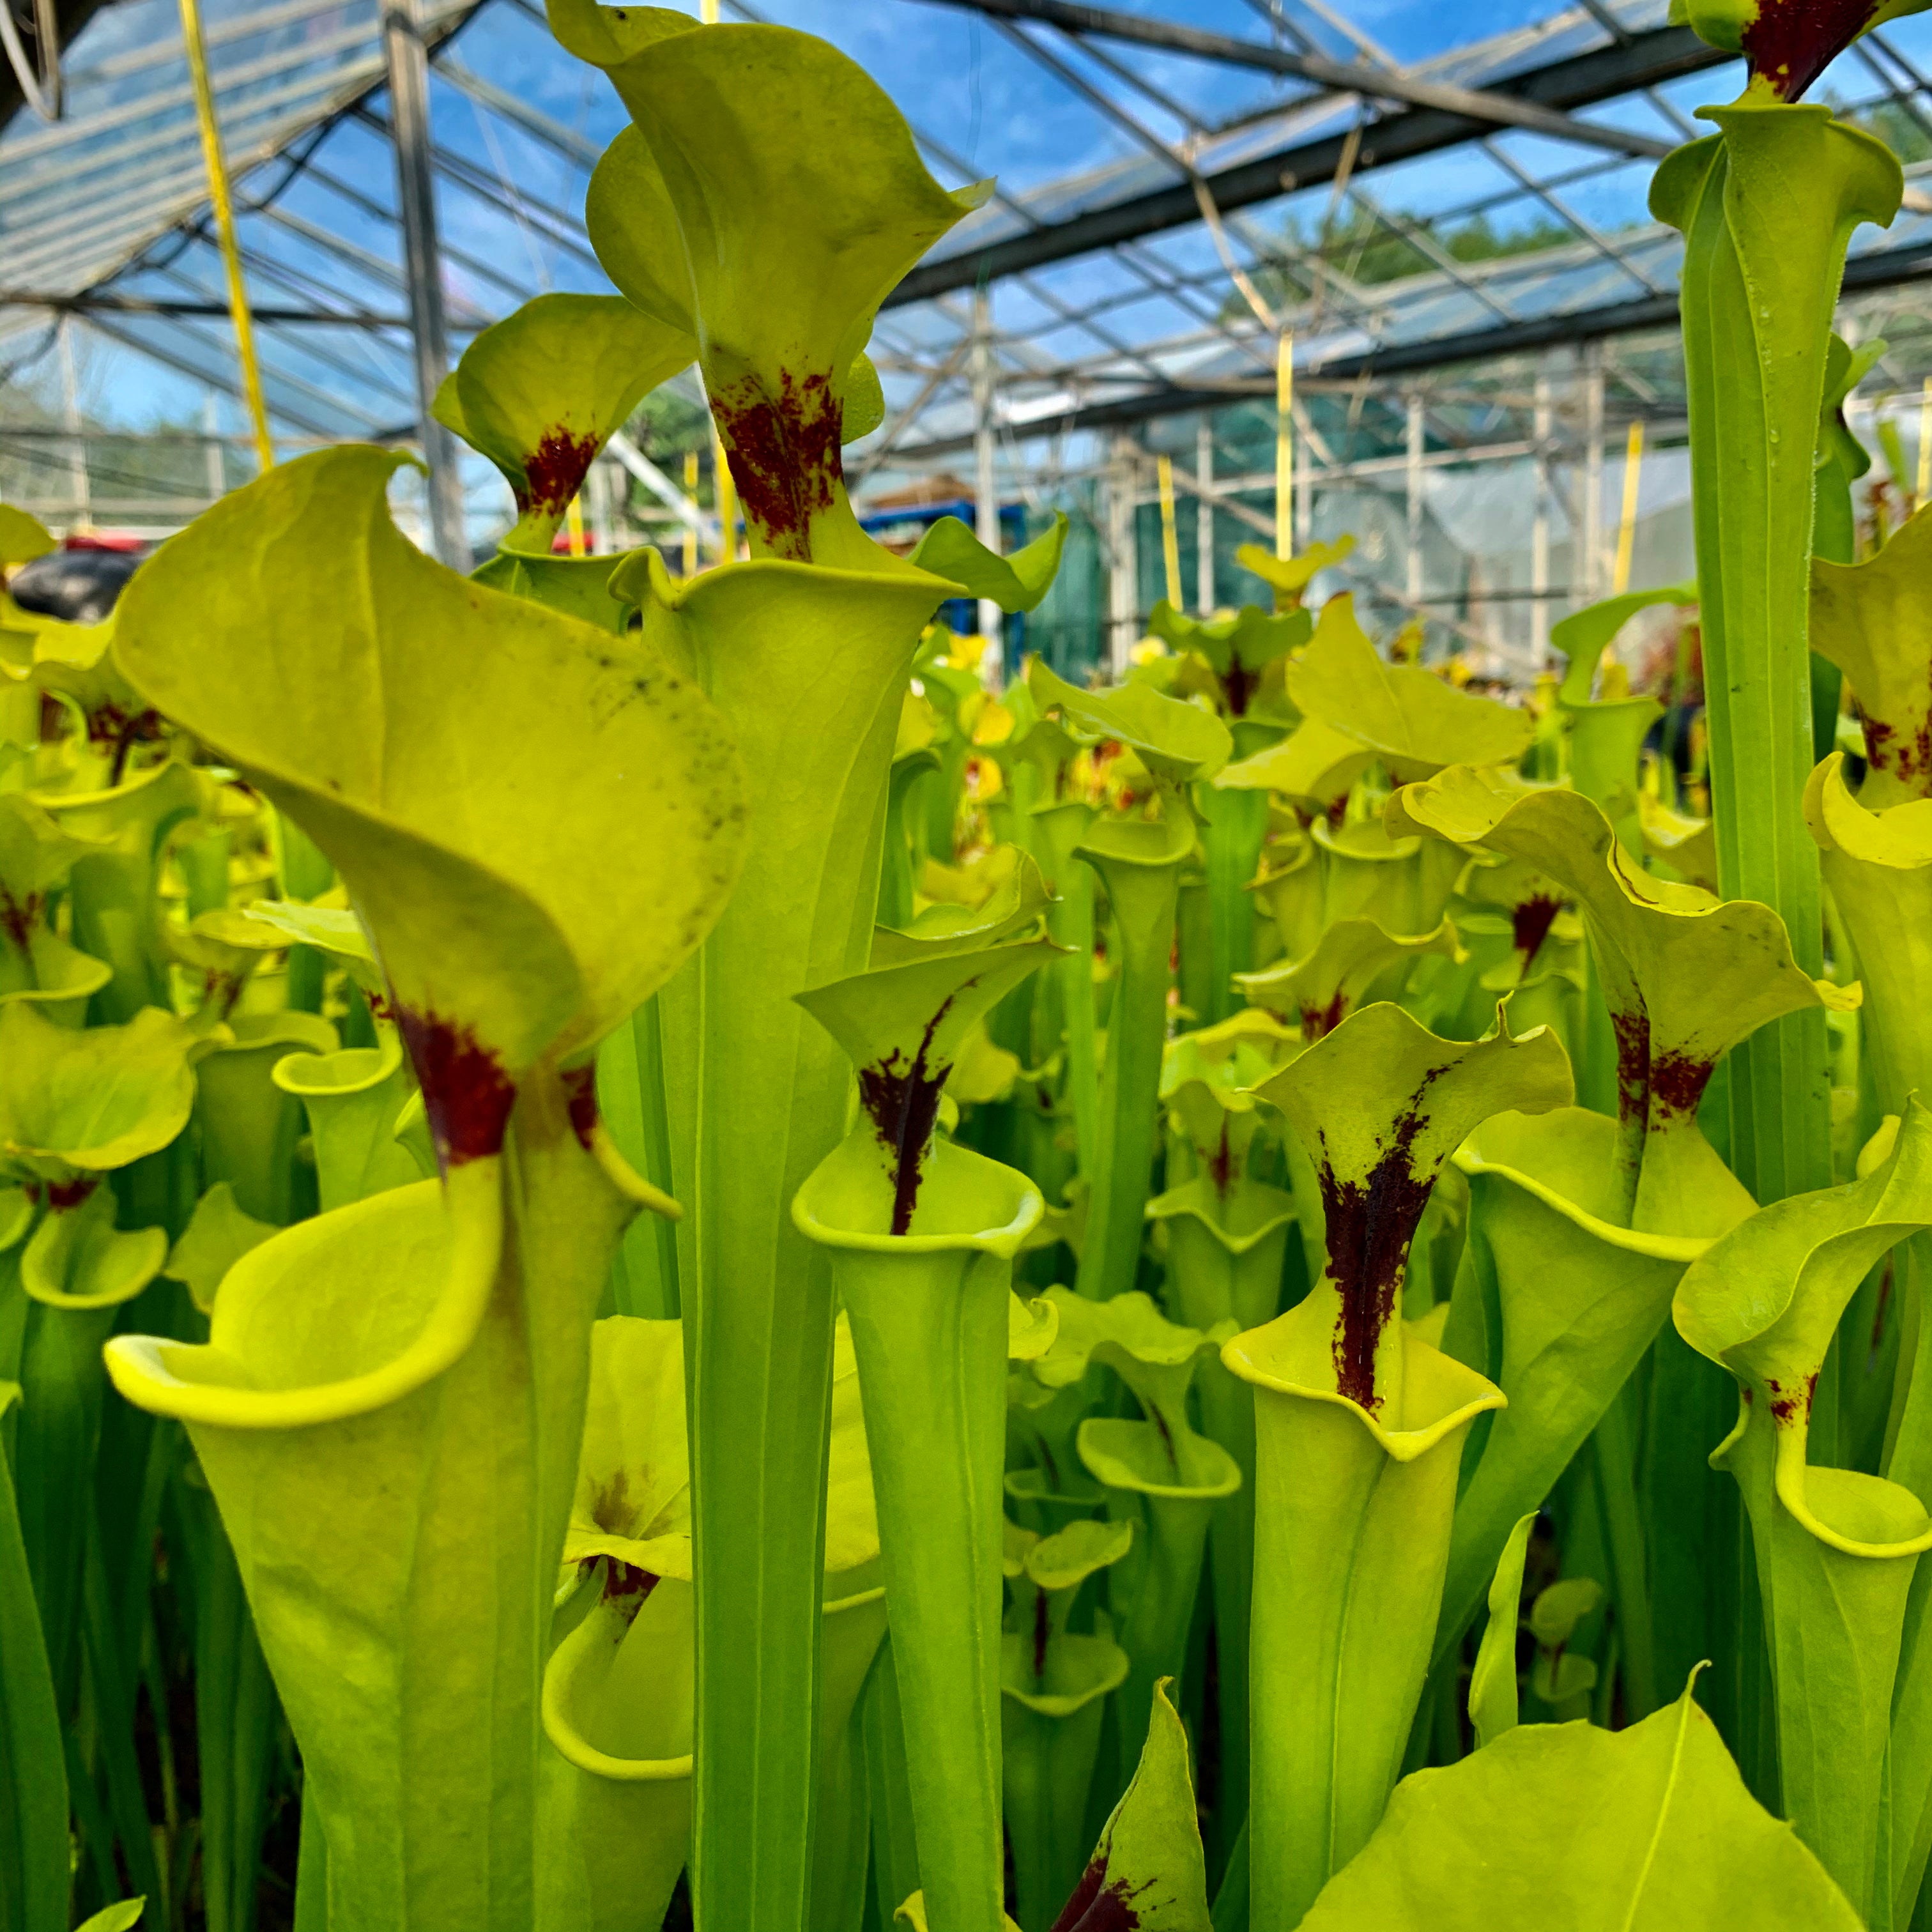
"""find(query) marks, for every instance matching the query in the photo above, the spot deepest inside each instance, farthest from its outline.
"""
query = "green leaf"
(540, 392)
(1685, 977)
(35, 1878)
(809, 667)
(77, 1258)
(1835, 1549)
(336, 931)
(1560, 1607)
(1316, 765)
(1379, 1104)
(1873, 620)
(578, 586)
(93, 1100)
(217, 1235)
(1586, 635)
(1492, 1688)
(1288, 577)
(930, 1313)
(905, 1021)
(436, 795)
(1321, 990)
(1148, 1870)
(1765, 1301)
(1767, 210)
(354, 1099)
(1016, 582)
(1644, 1830)
(726, 188)
(23, 537)
(1178, 742)
(1409, 718)
(116, 1918)
(1557, 1303)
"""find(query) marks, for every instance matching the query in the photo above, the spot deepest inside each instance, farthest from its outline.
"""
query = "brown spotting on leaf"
(554, 472)
(1317, 1021)
(466, 1095)
(1040, 1633)
(1792, 42)
(1160, 1422)
(1632, 1033)
(1221, 1163)
(1369, 1224)
(784, 455)
(1910, 761)
(20, 916)
(610, 1503)
(627, 1586)
(1783, 1406)
(1529, 926)
(580, 1087)
(1810, 1392)
(63, 1196)
(1677, 1083)
(1238, 683)
(1097, 1906)
(903, 1107)
(111, 729)
(1337, 807)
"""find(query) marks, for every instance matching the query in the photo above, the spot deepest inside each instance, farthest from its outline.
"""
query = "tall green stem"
(807, 666)
(928, 1312)
(1140, 865)
(1766, 208)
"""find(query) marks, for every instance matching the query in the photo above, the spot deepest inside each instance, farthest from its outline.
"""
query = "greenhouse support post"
(986, 494)
(415, 194)
(1204, 514)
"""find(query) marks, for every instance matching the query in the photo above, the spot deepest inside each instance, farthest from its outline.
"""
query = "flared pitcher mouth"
(455, 1229)
(1530, 1153)
(966, 1202)
(1292, 1357)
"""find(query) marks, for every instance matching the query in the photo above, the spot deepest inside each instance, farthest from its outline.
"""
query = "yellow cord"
(224, 226)
(1284, 444)
(690, 497)
(1627, 527)
(726, 490)
(1170, 544)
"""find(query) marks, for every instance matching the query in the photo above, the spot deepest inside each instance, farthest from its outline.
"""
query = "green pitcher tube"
(929, 1316)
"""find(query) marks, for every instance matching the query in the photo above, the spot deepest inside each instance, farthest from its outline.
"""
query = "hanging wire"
(223, 211)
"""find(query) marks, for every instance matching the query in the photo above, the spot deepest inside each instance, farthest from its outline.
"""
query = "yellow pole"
(726, 493)
(1627, 527)
(707, 12)
(573, 526)
(691, 529)
(1170, 543)
(1924, 444)
(224, 228)
(1284, 444)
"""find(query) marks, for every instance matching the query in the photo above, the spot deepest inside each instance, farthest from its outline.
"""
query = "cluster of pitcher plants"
(653, 1244)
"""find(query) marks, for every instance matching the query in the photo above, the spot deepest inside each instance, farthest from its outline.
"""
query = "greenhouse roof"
(1404, 185)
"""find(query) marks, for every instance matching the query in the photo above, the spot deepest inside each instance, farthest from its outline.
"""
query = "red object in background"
(114, 540)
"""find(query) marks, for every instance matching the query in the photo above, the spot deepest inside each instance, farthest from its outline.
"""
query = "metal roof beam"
(1337, 77)
(104, 302)
(1881, 268)
(1646, 60)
